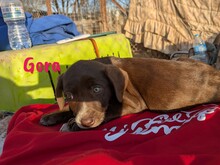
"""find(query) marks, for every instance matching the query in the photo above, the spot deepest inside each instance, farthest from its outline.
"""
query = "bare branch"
(119, 6)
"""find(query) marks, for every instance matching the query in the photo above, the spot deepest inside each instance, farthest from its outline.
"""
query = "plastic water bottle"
(200, 49)
(14, 17)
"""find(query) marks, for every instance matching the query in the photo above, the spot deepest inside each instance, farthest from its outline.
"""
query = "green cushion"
(19, 87)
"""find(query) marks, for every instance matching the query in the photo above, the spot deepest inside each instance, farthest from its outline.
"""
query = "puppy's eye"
(97, 89)
(68, 96)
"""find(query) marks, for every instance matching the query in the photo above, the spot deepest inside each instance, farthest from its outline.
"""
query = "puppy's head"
(89, 87)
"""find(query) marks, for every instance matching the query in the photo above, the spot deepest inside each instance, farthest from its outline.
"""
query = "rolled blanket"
(50, 29)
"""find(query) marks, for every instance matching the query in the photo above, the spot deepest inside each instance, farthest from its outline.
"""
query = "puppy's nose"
(87, 122)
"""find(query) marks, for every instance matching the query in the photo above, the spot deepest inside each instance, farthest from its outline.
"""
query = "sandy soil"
(4, 121)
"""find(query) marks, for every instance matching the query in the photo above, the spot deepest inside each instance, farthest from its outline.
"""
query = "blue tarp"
(44, 30)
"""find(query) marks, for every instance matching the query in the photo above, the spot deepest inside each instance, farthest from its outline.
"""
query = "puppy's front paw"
(64, 128)
(57, 117)
(48, 120)
(70, 126)
(73, 126)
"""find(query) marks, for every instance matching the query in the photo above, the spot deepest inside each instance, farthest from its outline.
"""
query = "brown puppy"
(103, 89)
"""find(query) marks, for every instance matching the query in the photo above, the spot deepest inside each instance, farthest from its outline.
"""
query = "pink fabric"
(186, 137)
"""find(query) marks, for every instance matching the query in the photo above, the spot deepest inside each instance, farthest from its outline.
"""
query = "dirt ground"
(4, 121)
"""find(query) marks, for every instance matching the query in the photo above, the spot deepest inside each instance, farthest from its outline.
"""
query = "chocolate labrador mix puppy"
(100, 90)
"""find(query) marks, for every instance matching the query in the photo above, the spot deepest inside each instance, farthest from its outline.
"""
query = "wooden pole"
(103, 15)
(49, 9)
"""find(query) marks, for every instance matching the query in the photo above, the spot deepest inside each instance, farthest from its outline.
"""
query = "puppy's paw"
(64, 128)
(70, 126)
(48, 120)
(56, 117)
(73, 126)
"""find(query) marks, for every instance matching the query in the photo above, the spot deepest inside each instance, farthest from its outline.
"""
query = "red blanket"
(186, 137)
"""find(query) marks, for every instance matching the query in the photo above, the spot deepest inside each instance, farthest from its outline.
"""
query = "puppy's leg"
(56, 118)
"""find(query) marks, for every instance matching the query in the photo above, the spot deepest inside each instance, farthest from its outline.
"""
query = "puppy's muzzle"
(87, 122)
(89, 114)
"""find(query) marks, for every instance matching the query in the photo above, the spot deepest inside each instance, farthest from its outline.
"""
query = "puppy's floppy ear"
(118, 79)
(59, 92)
